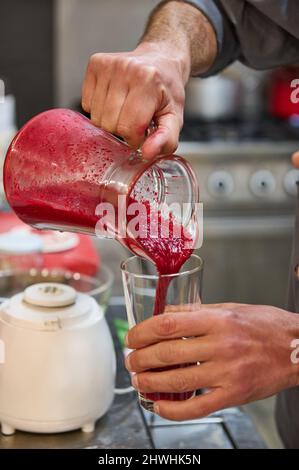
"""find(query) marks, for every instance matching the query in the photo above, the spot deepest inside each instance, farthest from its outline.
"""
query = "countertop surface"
(126, 426)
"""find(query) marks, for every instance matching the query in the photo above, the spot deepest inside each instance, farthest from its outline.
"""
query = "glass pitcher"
(60, 167)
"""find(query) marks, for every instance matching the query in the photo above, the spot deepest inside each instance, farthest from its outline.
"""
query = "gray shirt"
(262, 34)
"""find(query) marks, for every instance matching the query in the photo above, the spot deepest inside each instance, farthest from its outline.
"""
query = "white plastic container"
(58, 362)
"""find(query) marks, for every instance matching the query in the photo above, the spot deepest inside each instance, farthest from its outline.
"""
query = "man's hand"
(125, 92)
(244, 353)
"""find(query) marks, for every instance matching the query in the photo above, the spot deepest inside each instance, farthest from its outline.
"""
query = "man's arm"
(260, 33)
(178, 26)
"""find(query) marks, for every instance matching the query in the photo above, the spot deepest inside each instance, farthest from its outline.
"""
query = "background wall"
(45, 45)
(87, 26)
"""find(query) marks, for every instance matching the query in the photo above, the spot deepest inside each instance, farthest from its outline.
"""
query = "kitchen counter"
(126, 426)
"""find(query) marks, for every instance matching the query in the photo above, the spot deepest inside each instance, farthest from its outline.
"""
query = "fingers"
(179, 380)
(113, 104)
(169, 326)
(124, 93)
(196, 407)
(121, 95)
(88, 88)
(136, 115)
(295, 159)
(180, 351)
(99, 98)
(165, 139)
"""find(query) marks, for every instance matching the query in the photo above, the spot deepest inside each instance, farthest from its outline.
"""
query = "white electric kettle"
(57, 361)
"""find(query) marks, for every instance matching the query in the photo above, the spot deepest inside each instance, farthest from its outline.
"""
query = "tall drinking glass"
(144, 289)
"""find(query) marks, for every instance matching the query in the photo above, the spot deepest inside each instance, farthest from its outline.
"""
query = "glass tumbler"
(181, 292)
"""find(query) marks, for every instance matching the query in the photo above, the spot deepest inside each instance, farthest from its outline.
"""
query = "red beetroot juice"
(168, 253)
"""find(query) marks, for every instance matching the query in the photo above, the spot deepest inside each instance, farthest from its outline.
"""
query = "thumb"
(164, 140)
(196, 407)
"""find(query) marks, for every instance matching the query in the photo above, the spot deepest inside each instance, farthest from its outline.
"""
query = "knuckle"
(95, 119)
(94, 60)
(242, 392)
(85, 104)
(166, 353)
(238, 375)
(179, 383)
(152, 73)
(144, 72)
(135, 361)
(227, 315)
(242, 344)
(133, 66)
(229, 319)
(140, 73)
(132, 62)
(99, 60)
(236, 382)
(232, 346)
(123, 130)
(166, 325)
(132, 338)
(129, 134)
(125, 63)
(145, 382)
(107, 125)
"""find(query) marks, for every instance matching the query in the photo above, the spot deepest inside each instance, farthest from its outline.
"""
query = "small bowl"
(100, 287)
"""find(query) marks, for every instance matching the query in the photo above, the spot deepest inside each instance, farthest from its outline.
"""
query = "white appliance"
(57, 361)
